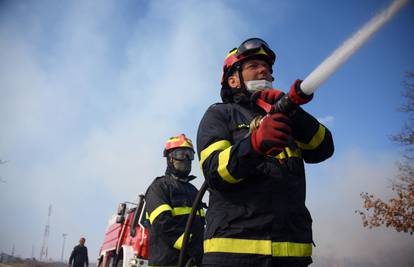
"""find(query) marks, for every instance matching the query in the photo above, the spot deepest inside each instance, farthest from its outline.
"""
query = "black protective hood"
(229, 95)
(171, 171)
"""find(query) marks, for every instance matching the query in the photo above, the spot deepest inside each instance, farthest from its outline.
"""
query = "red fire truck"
(126, 238)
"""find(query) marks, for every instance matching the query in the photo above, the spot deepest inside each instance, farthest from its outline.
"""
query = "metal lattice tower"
(44, 249)
(63, 246)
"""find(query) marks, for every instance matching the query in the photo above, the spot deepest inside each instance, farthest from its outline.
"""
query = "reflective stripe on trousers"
(261, 247)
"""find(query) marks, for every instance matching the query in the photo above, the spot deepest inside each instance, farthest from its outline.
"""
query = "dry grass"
(25, 263)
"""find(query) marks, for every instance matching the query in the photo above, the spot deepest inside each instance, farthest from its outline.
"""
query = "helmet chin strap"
(242, 87)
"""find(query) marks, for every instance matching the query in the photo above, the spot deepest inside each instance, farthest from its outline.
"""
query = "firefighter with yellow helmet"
(168, 204)
(253, 162)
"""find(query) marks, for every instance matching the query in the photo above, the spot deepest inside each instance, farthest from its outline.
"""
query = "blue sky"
(91, 90)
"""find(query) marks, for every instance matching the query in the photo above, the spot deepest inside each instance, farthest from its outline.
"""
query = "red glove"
(297, 96)
(272, 135)
(270, 96)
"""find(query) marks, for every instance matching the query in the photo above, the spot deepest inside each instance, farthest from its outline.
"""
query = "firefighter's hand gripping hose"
(272, 135)
(268, 96)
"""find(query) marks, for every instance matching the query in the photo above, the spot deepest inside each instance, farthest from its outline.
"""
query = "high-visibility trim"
(181, 211)
(179, 242)
(160, 209)
(260, 247)
(232, 52)
(231, 245)
(316, 139)
(293, 153)
(177, 211)
(261, 52)
(216, 146)
(223, 161)
(291, 249)
(281, 155)
(201, 212)
(289, 153)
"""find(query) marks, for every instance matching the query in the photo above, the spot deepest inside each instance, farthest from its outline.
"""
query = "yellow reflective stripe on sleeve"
(261, 247)
(201, 213)
(281, 155)
(223, 161)
(179, 242)
(160, 209)
(289, 153)
(177, 211)
(290, 249)
(316, 139)
(293, 153)
(216, 146)
(181, 211)
(224, 146)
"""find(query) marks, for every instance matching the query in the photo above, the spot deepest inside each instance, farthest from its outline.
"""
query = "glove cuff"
(297, 96)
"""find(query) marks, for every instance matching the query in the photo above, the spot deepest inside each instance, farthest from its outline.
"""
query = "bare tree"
(397, 212)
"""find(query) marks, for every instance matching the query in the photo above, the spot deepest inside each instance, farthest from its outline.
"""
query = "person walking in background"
(79, 255)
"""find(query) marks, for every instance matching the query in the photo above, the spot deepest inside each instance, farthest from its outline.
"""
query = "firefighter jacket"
(168, 205)
(257, 214)
(79, 256)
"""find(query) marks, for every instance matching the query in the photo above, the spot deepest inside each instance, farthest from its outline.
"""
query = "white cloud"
(328, 120)
(82, 134)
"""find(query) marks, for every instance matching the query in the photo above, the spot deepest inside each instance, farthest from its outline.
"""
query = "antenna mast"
(44, 249)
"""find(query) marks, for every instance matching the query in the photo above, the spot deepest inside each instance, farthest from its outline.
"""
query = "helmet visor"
(253, 45)
(182, 154)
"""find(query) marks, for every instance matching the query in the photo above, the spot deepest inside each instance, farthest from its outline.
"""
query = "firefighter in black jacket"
(169, 200)
(79, 255)
(254, 165)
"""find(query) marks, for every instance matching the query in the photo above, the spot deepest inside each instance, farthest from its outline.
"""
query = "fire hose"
(307, 87)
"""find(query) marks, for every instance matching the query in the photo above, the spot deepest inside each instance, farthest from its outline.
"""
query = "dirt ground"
(33, 264)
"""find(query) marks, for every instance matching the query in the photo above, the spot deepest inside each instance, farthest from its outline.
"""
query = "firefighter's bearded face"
(179, 161)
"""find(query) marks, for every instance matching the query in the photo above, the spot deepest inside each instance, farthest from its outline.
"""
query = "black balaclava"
(180, 169)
